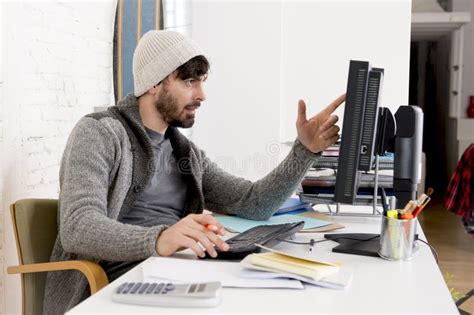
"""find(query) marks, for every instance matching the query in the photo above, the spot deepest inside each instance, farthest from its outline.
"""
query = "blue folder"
(238, 224)
(293, 206)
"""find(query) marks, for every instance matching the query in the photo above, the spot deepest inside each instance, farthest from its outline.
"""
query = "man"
(133, 186)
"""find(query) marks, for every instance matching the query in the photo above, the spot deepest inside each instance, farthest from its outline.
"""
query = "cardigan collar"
(128, 107)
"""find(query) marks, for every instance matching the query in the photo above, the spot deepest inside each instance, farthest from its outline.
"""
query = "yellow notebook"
(285, 262)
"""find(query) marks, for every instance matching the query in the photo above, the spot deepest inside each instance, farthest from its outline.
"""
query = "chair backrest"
(35, 228)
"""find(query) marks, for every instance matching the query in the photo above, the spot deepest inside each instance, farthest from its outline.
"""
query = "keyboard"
(243, 244)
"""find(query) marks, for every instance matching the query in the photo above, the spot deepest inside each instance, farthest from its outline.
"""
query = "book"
(172, 269)
(291, 205)
(317, 188)
(279, 261)
(329, 161)
(338, 281)
(332, 150)
(326, 184)
(320, 216)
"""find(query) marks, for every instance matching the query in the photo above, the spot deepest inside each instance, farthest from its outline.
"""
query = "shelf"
(433, 25)
(315, 199)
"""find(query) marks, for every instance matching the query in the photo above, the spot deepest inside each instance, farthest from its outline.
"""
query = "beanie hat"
(157, 55)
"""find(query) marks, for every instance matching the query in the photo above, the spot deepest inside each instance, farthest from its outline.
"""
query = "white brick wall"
(57, 58)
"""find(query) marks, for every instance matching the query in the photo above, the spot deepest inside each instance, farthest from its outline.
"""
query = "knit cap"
(157, 55)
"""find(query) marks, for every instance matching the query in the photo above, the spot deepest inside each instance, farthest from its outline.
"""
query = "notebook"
(279, 261)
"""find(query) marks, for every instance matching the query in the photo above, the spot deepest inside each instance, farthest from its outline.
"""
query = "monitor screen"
(356, 152)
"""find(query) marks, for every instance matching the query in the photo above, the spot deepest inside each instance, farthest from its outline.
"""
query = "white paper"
(228, 273)
(340, 280)
(337, 281)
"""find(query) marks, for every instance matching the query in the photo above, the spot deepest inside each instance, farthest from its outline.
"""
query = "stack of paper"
(320, 216)
(190, 270)
(299, 266)
(280, 264)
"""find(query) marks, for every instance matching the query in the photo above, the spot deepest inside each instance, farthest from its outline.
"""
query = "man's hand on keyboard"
(192, 232)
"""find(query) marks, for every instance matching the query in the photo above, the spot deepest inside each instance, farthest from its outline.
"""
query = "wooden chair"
(35, 227)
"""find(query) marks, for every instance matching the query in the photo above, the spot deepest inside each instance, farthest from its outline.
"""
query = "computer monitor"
(356, 151)
(368, 130)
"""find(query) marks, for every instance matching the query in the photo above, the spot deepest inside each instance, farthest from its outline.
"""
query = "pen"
(423, 197)
(407, 216)
(411, 205)
(392, 214)
(401, 213)
(211, 227)
(393, 202)
(420, 207)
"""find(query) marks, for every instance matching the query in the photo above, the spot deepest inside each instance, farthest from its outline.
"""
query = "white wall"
(466, 127)
(265, 55)
(57, 58)
(319, 39)
(239, 124)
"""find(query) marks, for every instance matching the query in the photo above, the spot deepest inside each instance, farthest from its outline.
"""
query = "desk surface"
(378, 286)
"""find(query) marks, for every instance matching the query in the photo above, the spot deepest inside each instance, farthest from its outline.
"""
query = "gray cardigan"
(106, 164)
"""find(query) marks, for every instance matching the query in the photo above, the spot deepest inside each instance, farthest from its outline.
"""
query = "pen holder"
(397, 238)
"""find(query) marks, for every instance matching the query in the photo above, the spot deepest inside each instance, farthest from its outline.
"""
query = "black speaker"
(408, 146)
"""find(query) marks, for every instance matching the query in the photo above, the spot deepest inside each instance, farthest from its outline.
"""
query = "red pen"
(211, 227)
(420, 207)
(407, 216)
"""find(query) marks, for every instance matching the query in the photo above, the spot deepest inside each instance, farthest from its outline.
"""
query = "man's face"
(178, 100)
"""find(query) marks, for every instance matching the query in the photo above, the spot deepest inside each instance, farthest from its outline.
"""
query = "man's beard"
(167, 105)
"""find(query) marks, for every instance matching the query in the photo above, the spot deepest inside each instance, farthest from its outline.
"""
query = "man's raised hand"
(320, 131)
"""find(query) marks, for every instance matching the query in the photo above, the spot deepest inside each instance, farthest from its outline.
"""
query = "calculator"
(206, 294)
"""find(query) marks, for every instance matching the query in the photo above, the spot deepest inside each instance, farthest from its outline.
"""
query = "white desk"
(378, 286)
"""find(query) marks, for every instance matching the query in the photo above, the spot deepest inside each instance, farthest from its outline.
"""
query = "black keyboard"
(243, 244)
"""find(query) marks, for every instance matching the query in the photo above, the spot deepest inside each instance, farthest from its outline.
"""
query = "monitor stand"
(356, 243)
(364, 244)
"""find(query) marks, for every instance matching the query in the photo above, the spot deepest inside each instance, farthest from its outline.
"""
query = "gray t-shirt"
(162, 200)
